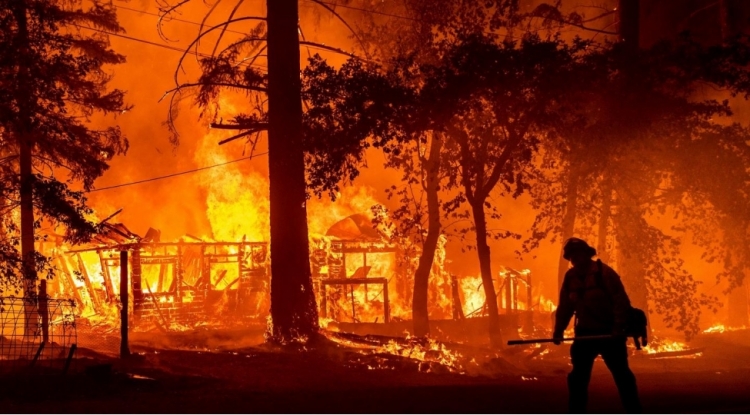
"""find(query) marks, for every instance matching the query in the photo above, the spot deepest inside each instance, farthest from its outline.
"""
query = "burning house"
(360, 278)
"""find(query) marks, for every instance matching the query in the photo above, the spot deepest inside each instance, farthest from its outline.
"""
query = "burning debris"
(359, 276)
(666, 349)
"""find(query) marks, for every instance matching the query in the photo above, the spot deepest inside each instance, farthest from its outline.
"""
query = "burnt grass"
(334, 379)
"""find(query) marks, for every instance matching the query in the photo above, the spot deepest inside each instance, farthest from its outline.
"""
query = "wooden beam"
(89, 286)
(108, 287)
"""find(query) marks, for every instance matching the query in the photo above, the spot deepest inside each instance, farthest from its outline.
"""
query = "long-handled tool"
(567, 339)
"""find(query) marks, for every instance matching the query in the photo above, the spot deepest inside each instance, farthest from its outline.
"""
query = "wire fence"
(98, 336)
(37, 333)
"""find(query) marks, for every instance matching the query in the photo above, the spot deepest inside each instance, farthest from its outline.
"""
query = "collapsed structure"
(359, 277)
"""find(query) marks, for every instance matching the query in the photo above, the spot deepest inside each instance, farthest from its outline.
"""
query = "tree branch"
(250, 126)
(220, 84)
(204, 33)
(338, 16)
(224, 29)
(332, 49)
(235, 137)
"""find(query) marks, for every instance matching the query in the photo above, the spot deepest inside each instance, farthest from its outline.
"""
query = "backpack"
(635, 320)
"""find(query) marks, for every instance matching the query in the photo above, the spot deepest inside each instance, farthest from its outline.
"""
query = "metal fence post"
(43, 312)
(124, 348)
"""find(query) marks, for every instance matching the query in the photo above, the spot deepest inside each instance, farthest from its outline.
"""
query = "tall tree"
(515, 102)
(230, 68)
(362, 105)
(293, 308)
(430, 172)
(637, 135)
(437, 27)
(52, 81)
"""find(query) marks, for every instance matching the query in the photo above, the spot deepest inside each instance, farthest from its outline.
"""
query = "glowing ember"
(663, 349)
(433, 351)
(660, 346)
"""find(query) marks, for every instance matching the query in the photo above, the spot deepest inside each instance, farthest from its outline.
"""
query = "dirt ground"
(336, 379)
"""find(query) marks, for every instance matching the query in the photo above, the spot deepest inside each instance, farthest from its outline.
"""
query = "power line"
(173, 18)
(412, 19)
(307, 45)
(343, 6)
(176, 174)
(161, 45)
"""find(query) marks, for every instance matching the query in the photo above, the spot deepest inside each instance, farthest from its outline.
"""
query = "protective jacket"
(599, 302)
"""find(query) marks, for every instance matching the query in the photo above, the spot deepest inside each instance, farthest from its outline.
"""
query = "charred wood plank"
(162, 272)
(89, 286)
(108, 287)
(69, 279)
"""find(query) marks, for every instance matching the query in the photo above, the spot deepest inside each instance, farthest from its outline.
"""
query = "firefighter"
(594, 293)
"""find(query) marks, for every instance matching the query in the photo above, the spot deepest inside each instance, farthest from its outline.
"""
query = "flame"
(433, 351)
(720, 328)
(237, 200)
(665, 346)
(473, 293)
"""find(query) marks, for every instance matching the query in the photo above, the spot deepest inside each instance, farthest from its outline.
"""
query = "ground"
(335, 379)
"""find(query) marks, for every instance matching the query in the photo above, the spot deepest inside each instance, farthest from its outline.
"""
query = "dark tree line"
(616, 142)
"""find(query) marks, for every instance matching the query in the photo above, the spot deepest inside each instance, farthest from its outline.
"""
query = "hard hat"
(577, 245)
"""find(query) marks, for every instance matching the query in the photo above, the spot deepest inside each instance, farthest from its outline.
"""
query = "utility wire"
(175, 174)
(175, 19)
(412, 19)
(170, 18)
(343, 6)
(161, 45)
(307, 45)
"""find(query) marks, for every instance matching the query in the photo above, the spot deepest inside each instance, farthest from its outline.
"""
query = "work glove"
(557, 339)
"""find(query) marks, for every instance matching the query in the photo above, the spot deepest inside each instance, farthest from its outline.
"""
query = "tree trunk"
(483, 251)
(420, 313)
(569, 221)
(293, 310)
(630, 228)
(633, 277)
(28, 253)
(604, 216)
(27, 217)
(25, 145)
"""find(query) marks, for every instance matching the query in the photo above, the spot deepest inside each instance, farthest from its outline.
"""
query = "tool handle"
(566, 339)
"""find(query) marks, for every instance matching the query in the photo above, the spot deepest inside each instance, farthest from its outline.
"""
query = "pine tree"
(52, 80)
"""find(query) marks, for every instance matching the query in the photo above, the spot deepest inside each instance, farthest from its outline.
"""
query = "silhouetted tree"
(229, 68)
(646, 119)
(52, 80)
(517, 94)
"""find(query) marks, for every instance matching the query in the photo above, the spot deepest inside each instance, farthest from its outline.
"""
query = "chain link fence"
(36, 333)
(99, 335)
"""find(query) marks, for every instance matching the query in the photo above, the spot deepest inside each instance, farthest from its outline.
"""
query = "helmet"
(577, 245)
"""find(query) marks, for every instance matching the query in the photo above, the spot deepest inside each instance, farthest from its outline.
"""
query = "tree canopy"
(53, 80)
